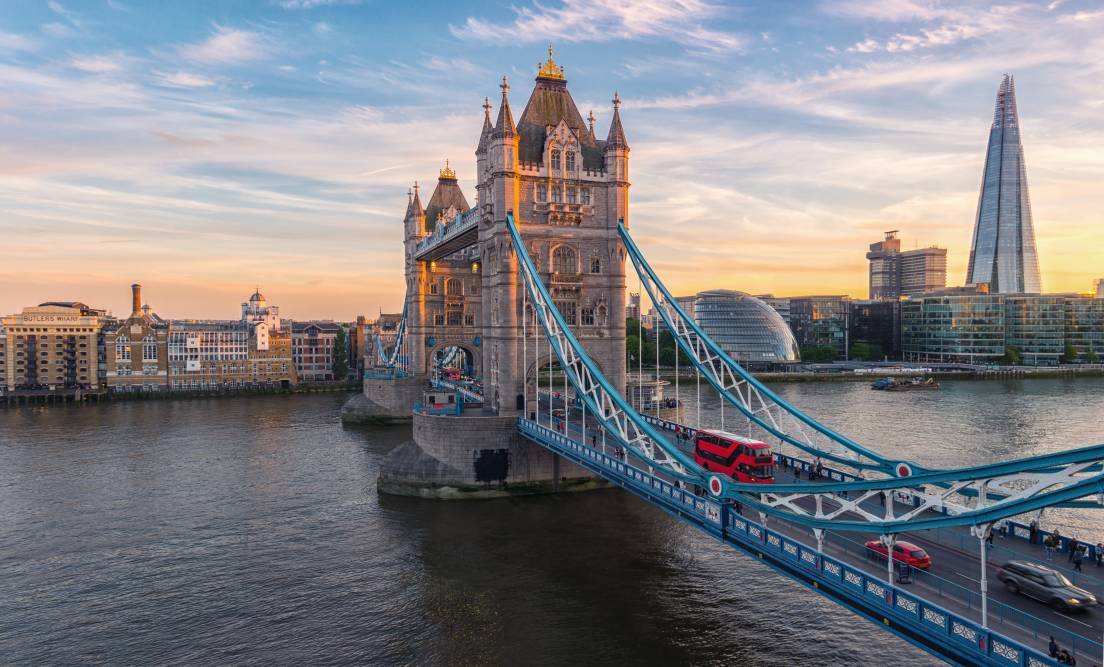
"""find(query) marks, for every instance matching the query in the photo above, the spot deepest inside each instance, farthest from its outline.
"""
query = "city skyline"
(202, 151)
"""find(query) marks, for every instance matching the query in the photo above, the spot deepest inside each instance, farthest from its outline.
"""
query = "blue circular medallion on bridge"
(903, 469)
(715, 485)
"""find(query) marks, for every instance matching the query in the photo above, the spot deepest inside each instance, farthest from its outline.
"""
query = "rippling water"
(249, 531)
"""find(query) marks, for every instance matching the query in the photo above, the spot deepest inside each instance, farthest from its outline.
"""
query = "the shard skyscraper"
(1003, 252)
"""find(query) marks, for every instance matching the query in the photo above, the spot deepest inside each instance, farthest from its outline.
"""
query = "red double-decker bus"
(742, 459)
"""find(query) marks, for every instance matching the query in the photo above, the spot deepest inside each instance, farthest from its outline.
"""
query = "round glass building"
(748, 329)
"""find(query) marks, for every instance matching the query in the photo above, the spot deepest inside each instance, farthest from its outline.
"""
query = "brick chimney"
(136, 299)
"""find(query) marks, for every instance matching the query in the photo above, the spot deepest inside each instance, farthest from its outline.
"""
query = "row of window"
(453, 320)
(149, 348)
(561, 195)
(454, 287)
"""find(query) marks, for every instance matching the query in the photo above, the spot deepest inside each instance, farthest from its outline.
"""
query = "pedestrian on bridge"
(1053, 647)
(1048, 546)
(1100, 554)
(1034, 531)
(1074, 545)
(1077, 558)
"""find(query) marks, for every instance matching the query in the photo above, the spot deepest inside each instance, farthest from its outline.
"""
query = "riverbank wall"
(15, 399)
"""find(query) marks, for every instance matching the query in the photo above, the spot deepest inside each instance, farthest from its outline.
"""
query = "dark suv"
(1044, 584)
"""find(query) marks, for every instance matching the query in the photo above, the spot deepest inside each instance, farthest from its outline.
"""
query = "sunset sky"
(203, 148)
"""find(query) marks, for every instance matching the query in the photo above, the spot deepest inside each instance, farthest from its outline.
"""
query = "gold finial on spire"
(550, 70)
(590, 120)
(447, 173)
(616, 101)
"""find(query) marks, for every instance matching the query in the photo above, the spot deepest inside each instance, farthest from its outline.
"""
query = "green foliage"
(1012, 356)
(340, 355)
(1070, 355)
(863, 351)
(1090, 357)
(819, 353)
(667, 347)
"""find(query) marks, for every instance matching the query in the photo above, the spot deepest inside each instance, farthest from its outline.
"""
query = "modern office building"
(821, 322)
(1002, 252)
(958, 325)
(312, 348)
(1085, 327)
(781, 305)
(877, 323)
(894, 273)
(1098, 287)
(884, 256)
(1035, 325)
(51, 349)
(746, 328)
(953, 326)
(922, 270)
(632, 308)
(136, 350)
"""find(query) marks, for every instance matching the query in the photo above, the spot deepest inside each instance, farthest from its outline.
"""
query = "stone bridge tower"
(443, 295)
(567, 190)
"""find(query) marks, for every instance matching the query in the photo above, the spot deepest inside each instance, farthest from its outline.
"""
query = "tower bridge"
(527, 287)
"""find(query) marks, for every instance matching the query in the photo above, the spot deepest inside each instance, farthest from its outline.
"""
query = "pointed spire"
(590, 122)
(505, 125)
(418, 210)
(1004, 112)
(616, 138)
(488, 129)
(409, 203)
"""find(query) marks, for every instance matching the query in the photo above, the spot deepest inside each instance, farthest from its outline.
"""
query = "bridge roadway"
(953, 581)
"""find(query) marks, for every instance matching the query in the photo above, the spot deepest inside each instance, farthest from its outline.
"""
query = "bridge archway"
(537, 374)
(462, 356)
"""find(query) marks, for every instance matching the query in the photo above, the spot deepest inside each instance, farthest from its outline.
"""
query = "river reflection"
(249, 531)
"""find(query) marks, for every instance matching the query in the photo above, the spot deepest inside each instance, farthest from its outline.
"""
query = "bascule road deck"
(953, 581)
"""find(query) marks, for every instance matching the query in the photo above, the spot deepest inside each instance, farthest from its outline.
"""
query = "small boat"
(914, 383)
(883, 383)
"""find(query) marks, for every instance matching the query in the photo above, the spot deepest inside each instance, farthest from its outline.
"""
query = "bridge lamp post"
(889, 541)
(983, 532)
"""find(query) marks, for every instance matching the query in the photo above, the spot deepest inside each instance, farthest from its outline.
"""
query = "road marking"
(1075, 620)
(970, 578)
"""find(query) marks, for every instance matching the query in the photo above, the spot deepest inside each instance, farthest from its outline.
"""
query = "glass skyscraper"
(1003, 250)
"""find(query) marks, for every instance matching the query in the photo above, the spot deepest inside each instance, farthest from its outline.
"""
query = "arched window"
(453, 287)
(555, 159)
(563, 260)
(595, 265)
(571, 160)
(149, 349)
(122, 348)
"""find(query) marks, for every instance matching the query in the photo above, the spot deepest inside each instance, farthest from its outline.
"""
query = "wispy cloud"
(96, 64)
(182, 80)
(10, 41)
(227, 45)
(60, 10)
(311, 4)
(682, 21)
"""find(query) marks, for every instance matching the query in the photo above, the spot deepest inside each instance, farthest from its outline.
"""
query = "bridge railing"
(872, 593)
(439, 409)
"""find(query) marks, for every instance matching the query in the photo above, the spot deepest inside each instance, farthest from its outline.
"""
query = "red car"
(904, 552)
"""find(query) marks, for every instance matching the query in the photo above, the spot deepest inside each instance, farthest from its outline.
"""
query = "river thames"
(249, 531)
